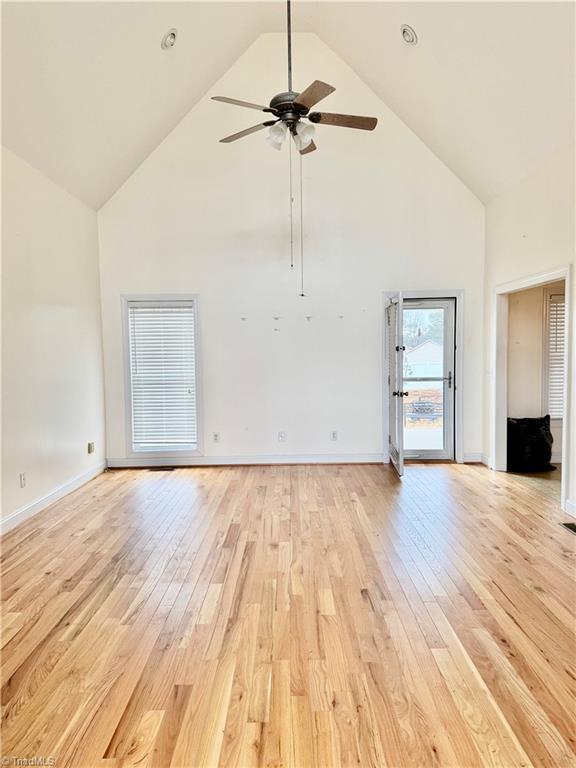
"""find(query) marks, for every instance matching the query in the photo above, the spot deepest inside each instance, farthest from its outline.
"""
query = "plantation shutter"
(555, 353)
(163, 375)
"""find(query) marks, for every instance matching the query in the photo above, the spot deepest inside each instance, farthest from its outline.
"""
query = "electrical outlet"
(90, 447)
(281, 437)
(22, 479)
(215, 437)
(334, 435)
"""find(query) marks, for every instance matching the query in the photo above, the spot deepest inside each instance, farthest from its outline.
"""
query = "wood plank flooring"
(292, 616)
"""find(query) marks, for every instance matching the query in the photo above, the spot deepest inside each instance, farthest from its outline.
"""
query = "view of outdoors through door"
(428, 365)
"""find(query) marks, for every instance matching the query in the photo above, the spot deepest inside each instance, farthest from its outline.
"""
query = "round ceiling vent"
(409, 34)
(169, 39)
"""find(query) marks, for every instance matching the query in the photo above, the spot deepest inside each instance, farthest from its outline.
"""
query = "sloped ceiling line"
(88, 92)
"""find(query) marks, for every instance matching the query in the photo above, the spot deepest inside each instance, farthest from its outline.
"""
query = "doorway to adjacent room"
(531, 357)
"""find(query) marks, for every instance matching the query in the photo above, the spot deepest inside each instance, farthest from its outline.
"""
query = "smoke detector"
(409, 34)
(169, 39)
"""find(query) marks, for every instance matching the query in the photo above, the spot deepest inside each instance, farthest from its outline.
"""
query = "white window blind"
(554, 361)
(162, 339)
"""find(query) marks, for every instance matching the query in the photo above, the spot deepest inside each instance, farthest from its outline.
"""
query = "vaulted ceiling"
(88, 92)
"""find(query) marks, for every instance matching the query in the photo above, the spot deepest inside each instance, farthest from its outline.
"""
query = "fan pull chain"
(301, 232)
(291, 203)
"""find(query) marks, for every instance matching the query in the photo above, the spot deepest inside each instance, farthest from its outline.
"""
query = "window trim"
(548, 292)
(148, 298)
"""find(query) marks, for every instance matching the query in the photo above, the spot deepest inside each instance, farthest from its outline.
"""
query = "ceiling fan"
(290, 110)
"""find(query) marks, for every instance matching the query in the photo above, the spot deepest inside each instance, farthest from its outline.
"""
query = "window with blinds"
(163, 393)
(554, 334)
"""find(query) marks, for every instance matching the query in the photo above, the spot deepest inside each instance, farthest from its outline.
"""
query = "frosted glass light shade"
(277, 135)
(304, 135)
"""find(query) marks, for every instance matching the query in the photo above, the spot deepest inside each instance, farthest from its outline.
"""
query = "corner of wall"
(52, 374)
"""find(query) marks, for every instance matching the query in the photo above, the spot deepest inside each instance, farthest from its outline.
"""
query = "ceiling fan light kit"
(291, 115)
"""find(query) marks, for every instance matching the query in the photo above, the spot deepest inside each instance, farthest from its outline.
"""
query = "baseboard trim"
(570, 507)
(22, 514)
(217, 461)
(485, 459)
(472, 458)
(556, 457)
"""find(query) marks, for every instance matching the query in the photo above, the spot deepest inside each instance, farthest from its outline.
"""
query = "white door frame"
(499, 342)
(458, 295)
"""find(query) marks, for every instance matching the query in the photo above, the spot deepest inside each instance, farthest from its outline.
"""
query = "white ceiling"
(88, 93)
(489, 87)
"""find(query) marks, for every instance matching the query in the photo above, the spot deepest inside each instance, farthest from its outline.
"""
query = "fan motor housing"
(283, 105)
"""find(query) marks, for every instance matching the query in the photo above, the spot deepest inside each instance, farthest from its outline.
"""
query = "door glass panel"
(423, 415)
(427, 418)
(424, 342)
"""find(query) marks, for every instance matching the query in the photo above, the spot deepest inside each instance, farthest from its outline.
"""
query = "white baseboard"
(485, 459)
(556, 457)
(570, 507)
(272, 458)
(472, 458)
(34, 507)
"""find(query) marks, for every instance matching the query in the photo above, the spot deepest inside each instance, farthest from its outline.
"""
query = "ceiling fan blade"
(310, 148)
(245, 132)
(313, 94)
(345, 121)
(239, 103)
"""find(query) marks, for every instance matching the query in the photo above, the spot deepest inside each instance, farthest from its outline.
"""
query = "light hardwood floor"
(292, 616)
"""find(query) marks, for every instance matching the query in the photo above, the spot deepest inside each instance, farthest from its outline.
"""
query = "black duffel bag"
(530, 445)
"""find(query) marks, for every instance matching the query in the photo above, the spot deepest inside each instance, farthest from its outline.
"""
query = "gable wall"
(381, 212)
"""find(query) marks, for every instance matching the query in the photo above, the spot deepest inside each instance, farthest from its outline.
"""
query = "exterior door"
(394, 358)
(428, 327)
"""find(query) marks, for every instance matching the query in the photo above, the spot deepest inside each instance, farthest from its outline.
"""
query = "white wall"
(529, 230)
(525, 353)
(52, 394)
(381, 212)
